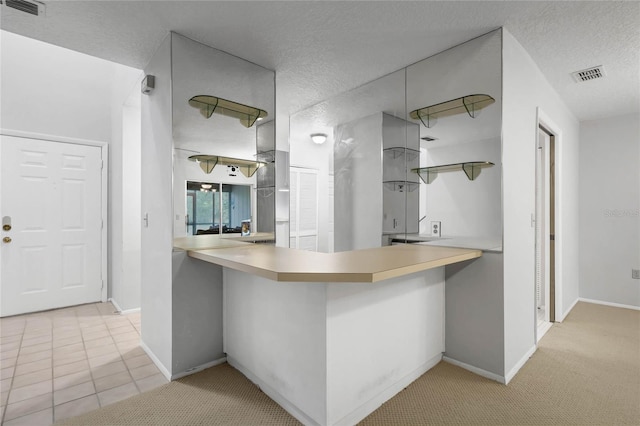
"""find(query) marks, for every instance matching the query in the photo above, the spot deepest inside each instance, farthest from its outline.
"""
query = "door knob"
(6, 240)
(6, 227)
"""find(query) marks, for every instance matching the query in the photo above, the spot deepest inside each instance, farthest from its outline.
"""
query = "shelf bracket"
(471, 170)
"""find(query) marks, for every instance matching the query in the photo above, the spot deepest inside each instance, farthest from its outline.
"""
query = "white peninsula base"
(332, 353)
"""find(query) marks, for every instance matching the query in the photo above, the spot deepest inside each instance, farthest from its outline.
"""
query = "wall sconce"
(318, 138)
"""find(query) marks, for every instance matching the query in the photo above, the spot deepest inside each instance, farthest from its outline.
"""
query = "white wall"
(157, 203)
(465, 207)
(357, 162)
(125, 290)
(609, 221)
(52, 91)
(524, 90)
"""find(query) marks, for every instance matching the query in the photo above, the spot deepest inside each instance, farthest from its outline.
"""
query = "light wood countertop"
(207, 241)
(370, 265)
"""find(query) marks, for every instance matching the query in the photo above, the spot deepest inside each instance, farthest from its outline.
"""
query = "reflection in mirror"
(210, 104)
(381, 137)
(464, 207)
(223, 107)
(214, 208)
(344, 176)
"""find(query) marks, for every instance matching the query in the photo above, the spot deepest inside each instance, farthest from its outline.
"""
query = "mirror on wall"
(413, 156)
(463, 144)
(215, 208)
(354, 209)
(223, 135)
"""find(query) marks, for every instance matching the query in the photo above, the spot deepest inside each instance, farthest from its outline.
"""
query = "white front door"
(52, 199)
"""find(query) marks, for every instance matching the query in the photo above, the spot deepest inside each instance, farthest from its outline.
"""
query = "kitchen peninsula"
(330, 336)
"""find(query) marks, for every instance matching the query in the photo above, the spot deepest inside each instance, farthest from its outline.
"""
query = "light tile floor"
(65, 362)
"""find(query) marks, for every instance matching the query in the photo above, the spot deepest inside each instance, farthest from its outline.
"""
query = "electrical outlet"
(635, 274)
(436, 228)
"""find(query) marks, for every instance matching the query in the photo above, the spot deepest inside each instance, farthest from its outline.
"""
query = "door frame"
(296, 199)
(104, 178)
(545, 122)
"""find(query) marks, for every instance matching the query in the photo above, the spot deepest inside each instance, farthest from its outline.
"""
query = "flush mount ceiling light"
(471, 104)
(318, 138)
(208, 162)
(206, 186)
(207, 105)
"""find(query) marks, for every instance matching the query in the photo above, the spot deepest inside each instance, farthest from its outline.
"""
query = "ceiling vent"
(27, 6)
(592, 73)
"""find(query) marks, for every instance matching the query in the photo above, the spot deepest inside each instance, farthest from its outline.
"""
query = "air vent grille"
(30, 7)
(589, 74)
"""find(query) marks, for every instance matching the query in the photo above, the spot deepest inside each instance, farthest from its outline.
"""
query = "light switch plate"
(436, 228)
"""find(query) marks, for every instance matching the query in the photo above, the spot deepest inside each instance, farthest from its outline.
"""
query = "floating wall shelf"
(207, 105)
(472, 169)
(401, 185)
(470, 104)
(208, 162)
(395, 152)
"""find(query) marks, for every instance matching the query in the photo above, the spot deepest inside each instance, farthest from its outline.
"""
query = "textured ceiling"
(319, 49)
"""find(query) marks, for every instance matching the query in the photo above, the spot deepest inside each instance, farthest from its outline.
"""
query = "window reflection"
(215, 208)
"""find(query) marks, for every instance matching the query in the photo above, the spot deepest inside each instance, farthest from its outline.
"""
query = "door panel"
(53, 193)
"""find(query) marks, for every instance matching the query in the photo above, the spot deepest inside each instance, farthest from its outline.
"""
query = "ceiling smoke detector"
(27, 6)
(588, 74)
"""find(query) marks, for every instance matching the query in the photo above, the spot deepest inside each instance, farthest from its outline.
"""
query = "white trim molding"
(475, 370)
(564, 314)
(615, 305)
(512, 373)
(273, 394)
(165, 372)
(374, 403)
(545, 121)
(199, 368)
(122, 311)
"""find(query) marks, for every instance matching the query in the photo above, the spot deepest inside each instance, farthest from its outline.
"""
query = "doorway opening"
(545, 292)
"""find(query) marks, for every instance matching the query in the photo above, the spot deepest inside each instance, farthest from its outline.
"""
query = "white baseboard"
(512, 373)
(476, 370)
(273, 394)
(616, 305)
(564, 314)
(374, 403)
(194, 370)
(120, 310)
(542, 330)
(356, 415)
(165, 372)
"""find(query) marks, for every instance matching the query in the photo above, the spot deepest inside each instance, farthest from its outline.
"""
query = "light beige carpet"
(586, 371)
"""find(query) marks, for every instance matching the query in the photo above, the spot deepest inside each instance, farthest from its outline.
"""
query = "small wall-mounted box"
(148, 84)
(635, 274)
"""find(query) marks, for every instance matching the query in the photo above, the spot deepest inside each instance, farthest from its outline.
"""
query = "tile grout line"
(13, 375)
(51, 320)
